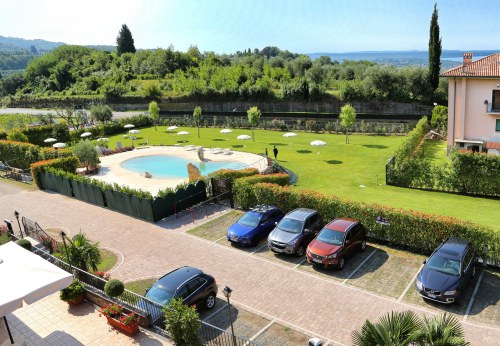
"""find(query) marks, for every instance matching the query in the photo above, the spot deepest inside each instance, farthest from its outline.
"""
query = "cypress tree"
(124, 41)
(434, 51)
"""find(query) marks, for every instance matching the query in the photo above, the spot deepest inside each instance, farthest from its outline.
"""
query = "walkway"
(297, 298)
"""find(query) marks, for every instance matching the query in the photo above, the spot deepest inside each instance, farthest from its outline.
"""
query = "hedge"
(19, 154)
(67, 164)
(243, 187)
(409, 147)
(233, 174)
(37, 135)
(409, 229)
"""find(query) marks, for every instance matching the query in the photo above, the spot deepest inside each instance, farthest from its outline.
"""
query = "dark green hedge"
(19, 154)
(243, 187)
(68, 165)
(413, 230)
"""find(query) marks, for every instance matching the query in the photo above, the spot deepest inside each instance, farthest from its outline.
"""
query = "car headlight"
(333, 255)
(450, 293)
(419, 285)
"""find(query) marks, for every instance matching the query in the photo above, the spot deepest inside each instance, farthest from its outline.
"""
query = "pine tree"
(124, 41)
(434, 51)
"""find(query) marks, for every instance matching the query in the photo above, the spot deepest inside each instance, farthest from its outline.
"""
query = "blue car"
(448, 271)
(254, 225)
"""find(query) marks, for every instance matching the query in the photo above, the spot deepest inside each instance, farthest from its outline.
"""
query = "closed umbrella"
(226, 131)
(171, 128)
(129, 126)
(50, 140)
(86, 134)
(183, 133)
(318, 144)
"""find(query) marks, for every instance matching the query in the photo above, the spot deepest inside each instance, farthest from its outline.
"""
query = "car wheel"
(210, 301)
(363, 245)
(300, 251)
(254, 241)
(341, 263)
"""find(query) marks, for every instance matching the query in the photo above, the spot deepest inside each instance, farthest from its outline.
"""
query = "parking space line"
(215, 241)
(298, 264)
(357, 268)
(256, 335)
(214, 313)
(409, 284)
(261, 247)
(471, 301)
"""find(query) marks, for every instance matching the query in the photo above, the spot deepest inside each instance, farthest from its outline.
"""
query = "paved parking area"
(283, 290)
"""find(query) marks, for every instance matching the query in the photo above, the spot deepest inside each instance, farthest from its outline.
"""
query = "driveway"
(296, 297)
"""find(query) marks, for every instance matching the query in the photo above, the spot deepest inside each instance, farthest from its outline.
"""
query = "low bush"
(409, 229)
(19, 154)
(114, 288)
(233, 174)
(67, 164)
(73, 291)
(243, 190)
(24, 243)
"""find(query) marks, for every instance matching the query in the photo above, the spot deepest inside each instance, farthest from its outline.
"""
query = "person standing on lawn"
(275, 152)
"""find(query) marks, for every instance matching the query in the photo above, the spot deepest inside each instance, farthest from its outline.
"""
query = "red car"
(337, 240)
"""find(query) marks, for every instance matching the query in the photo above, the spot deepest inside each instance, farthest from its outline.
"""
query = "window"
(468, 259)
(496, 101)
(497, 127)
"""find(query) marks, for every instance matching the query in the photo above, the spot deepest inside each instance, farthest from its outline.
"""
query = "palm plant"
(84, 254)
(443, 330)
(397, 329)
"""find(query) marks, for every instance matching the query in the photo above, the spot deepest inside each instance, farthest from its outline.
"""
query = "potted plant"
(74, 293)
(128, 323)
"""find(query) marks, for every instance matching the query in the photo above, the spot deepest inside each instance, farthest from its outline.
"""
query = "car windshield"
(160, 295)
(444, 264)
(331, 236)
(250, 220)
(290, 225)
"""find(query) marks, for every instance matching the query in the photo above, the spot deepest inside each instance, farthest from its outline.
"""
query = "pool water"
(174, 167)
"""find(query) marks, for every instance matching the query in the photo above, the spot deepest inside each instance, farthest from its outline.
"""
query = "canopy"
(27, 278)
(50, 140)
(290, 134)
(317, 143)
(59, 145)
(243, 137)
(86, 134)
(129, 126)
(226, 131)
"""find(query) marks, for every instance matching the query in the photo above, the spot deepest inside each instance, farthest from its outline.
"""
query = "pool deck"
(112, 172)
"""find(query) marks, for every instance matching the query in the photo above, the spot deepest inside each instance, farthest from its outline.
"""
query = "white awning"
(466, 141)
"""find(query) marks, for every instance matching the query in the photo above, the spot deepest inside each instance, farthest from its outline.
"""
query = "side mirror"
(348, 242)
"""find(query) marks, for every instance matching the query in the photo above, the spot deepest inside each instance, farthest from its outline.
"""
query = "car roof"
(175, 278)
(300, 213)
(261, 209)
(341, 225)
(453, 247)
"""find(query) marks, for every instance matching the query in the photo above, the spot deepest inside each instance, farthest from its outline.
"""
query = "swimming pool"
(174, 167)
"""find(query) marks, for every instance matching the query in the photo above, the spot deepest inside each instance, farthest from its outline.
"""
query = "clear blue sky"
(225, 26)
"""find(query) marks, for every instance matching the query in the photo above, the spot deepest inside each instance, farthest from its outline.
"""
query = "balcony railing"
(493, 108)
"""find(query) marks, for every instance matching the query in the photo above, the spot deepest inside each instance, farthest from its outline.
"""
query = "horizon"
(222, 26)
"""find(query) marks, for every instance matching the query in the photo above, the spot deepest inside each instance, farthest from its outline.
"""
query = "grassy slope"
(339, 169)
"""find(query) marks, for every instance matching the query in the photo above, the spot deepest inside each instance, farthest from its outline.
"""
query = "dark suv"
(447, 272)
(191, 284)
(294, 232)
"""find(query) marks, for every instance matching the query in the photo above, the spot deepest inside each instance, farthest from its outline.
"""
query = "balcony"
(493, 108)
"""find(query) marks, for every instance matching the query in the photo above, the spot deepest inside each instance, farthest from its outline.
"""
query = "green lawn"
(140, 286)
(355, 171)
(108, 260)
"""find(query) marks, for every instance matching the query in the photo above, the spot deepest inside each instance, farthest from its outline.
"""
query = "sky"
(227, 26)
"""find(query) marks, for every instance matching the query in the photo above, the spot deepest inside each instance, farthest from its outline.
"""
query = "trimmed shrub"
(244, 193)
(409, 229)
(72, 291)
(24, 243)
(17, 136)
(19, 154)
(409, 147)
(114, 288)
(67, 164)
(233, 174)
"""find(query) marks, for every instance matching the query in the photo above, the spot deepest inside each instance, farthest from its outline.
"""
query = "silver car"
(294, 232)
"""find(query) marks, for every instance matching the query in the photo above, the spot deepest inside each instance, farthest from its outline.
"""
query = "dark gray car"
(294, 232)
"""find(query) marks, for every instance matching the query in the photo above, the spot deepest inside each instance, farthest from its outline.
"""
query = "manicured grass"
(108, 260)
(216, 229)
(140, 286)
(22, 185)
(355, 171)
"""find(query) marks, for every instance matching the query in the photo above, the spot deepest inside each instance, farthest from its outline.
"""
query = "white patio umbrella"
(27, 278)
(171, 128)
(129, 126)
(50, 140)
(183, 133)
(86, 134)
(226, 131)
(102, 139)
(290, 134)
(318, 144)
(244, 137)
(59, 145)
(134, 132)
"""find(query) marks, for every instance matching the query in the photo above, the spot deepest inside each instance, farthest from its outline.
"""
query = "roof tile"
(486, 67)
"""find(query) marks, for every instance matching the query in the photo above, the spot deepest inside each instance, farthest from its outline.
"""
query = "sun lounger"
(227, 151)
(216, 150)
(189, 147)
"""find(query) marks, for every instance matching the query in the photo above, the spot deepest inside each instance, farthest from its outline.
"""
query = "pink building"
(474, 104)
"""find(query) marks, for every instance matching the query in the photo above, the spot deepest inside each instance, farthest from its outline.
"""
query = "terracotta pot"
(130, 329)
(77, 300)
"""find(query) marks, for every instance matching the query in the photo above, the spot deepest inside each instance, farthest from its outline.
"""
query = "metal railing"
(210, 335)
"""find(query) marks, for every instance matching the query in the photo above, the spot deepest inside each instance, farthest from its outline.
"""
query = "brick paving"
(295, 297)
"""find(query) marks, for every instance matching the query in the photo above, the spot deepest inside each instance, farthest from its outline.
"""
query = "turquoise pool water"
(173, 167)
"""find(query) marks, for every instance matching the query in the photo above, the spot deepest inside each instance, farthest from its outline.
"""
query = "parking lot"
(379, 269)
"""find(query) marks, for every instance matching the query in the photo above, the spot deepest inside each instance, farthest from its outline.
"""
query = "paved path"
(298, 298)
